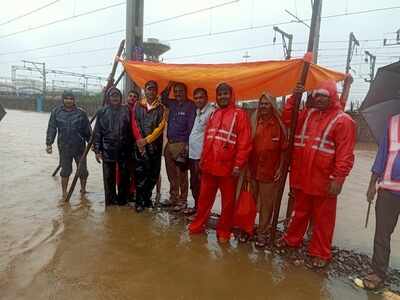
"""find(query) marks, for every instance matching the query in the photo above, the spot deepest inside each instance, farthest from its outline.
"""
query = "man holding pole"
(323, 156)
(385, 179)
(72, 125)
(182, 113)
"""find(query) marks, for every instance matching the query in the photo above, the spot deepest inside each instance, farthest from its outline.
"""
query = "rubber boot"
(64, 186)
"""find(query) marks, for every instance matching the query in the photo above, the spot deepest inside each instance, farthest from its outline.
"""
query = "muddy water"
(49, 250)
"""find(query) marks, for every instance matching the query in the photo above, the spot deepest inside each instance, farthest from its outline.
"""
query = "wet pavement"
(52, 250)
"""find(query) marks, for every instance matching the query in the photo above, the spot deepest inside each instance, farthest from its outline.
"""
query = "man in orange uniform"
(227, 145)
(323, 157)
(266, 161)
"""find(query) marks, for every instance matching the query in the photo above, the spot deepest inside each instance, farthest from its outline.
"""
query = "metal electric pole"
(397, 42)
(134, 35)
(41, 70)
(371, 59)
(287, 45)
(353, 42)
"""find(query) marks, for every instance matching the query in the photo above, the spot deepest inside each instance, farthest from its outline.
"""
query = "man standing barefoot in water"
(72, 125)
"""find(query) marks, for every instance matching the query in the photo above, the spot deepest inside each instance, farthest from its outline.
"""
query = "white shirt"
(196, 137)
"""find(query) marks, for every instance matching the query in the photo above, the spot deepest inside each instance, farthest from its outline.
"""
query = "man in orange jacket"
(323, 157)
(227, 145)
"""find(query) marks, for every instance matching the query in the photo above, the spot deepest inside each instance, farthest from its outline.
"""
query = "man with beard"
(150, 121)
(323, 157)
(112, 145)
(72, 125)
(227, 145)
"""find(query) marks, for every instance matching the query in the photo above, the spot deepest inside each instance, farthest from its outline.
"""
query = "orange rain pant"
(208, 190)
(322, 210)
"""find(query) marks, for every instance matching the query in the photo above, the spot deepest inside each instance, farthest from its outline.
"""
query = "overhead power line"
(221, 52)
(63, 54)
(215, 33)
(192, 12)
(63, 20)
(29, 13)
(64, 43)
(113, 6)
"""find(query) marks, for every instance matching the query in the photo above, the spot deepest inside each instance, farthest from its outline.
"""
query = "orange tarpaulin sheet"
(248, 80)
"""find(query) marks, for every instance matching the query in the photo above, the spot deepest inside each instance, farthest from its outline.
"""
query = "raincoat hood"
(275, 111)
(232, 101)
(329, 88)
(112, 90)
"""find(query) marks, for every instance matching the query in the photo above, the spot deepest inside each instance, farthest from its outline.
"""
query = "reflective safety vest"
(393, 150)
(227, 142)
(321, 143)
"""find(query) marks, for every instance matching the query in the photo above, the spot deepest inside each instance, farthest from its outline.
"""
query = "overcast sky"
(370, 28)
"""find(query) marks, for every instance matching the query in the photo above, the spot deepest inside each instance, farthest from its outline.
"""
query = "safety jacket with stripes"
(323, 147)
(389, 181)
(227, 141)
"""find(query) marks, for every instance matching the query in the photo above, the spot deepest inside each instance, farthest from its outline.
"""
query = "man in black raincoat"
(72, 125)
(112, 144)
(150, 119)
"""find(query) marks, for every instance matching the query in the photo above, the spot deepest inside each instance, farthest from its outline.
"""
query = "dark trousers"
(194, 168)
(66, 158)
(131, 171)
(147, 172)
(387, 211)
(110, 184)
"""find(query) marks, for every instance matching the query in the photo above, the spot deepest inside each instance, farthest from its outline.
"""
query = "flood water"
(52, 250)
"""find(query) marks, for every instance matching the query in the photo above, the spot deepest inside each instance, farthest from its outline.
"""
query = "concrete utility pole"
(353, 42)
(134, 35)
(371, 59)
(318, 7)
(287, 47)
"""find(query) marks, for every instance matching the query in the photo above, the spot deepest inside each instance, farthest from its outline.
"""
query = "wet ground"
(49, 250)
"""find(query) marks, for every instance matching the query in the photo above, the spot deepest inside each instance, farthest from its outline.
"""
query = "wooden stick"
(293, 123)
(110, 82)
(367, 217)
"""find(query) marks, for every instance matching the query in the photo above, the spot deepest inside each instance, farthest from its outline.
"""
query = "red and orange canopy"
(248, 80)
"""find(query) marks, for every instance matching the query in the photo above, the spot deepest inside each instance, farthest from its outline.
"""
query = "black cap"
(68, 93)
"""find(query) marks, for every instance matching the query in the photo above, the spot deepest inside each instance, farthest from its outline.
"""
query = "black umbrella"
(382, 102)
(2, 112)
(383, 99)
